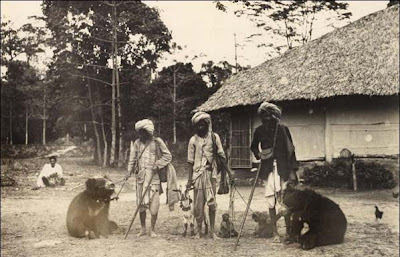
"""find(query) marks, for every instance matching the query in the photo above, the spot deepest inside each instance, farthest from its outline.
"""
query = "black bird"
(395, 195)
(378, 213)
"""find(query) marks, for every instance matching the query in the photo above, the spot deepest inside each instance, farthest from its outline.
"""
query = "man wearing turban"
(143, 162)
(278, 159)
(203, 169)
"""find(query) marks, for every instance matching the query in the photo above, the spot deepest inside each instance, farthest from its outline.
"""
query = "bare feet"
(214, 236)
(276, 239)
(198, 235)
(152, 234)
(142, 232)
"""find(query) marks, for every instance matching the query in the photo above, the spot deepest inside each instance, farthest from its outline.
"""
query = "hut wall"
(367, 126)
(306, 123)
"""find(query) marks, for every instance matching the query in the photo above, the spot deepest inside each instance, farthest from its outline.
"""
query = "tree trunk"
(84, 132)
(113, 114)
(174, 111)
(11, 135)
(26, 124)
(121, 160)
(105, 151)
(96, 132)
(44, 116)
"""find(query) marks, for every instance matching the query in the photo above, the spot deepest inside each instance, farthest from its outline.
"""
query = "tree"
(33, 44)
(10, 49)
(21, 80)
(176, 92)
(216, 74)
(291, 22)
(11, 43)
(81, 39)
(20, 97)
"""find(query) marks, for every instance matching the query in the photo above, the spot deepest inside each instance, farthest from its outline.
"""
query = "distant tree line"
(99, 80)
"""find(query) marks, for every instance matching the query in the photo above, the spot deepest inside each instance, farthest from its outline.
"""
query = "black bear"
(87, 214)
(326, 221)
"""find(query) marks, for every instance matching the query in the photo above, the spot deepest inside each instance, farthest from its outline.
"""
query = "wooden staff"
(247, 207)
(140, 203)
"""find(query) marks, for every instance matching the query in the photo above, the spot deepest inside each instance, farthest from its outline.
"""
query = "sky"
(199, 27)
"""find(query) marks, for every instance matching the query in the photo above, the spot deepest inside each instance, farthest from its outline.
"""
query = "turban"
(145, 124)
(271, 108)
(198, 116)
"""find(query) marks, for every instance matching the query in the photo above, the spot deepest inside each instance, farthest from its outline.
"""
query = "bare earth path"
(30, 218)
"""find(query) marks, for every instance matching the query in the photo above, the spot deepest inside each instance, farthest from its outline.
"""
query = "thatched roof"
(361, 58)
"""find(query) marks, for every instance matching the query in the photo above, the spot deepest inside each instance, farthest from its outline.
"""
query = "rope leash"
(117, 196)
(242, 198)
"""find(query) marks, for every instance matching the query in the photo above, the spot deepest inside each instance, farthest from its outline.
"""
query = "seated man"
(51, 175)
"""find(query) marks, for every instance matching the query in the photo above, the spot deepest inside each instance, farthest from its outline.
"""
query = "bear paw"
(90, 234)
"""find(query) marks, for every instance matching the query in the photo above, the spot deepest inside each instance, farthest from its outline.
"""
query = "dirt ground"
(33, 222)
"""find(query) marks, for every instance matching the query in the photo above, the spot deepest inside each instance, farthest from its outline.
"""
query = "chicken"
(378, 213)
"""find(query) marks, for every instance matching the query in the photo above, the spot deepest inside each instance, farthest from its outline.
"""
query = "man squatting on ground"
(144, 163)
(203, 170)
(278, 159)
(51, 174)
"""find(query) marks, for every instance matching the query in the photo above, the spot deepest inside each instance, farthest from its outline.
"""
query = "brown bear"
(326, 222)
(87, 214)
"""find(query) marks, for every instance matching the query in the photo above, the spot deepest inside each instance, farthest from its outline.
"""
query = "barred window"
(240, 156)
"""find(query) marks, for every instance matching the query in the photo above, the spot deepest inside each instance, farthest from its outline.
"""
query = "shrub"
(374, 176)
(338, 174)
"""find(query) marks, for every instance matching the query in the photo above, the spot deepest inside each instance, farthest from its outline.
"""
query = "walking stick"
(140, 203)
(247, 208)
(231, 211)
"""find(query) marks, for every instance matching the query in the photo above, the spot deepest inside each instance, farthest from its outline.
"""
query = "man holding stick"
(203, 169)
(278, 159)
(144, 163)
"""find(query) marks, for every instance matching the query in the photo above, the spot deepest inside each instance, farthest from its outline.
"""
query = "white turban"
(269, 107)
(198, 116)
(145, 124)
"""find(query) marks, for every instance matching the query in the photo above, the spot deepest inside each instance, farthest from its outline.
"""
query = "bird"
(395, 195)
(378, 213)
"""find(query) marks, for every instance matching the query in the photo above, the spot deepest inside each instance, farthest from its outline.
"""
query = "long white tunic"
(47, 171)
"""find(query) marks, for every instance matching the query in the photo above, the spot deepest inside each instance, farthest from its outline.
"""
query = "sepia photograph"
(200, 128)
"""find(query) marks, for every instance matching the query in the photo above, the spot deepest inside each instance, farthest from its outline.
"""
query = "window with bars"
(240, 156)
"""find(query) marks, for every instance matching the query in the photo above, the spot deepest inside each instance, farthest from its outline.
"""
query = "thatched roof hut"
(361, 58)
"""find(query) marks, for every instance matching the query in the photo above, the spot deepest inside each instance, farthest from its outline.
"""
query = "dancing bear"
(326, 221)
(87, 214)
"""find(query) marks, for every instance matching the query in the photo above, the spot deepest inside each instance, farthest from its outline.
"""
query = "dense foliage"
(338, 174)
